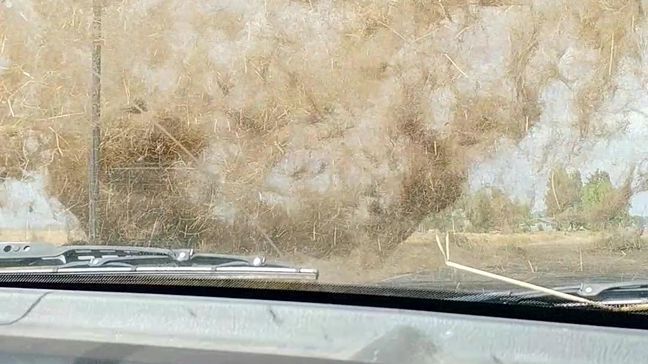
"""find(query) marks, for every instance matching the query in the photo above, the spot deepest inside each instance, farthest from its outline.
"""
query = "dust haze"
(312, 127)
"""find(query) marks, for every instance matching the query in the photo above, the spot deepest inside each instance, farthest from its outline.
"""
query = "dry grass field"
(534, 257)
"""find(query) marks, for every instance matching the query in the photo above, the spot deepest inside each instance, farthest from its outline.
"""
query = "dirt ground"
(545, 258)
(537, 257)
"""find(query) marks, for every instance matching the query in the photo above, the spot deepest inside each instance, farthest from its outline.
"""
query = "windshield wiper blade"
(209, 272)
(622, 293)
(36, 258)
(596, 290)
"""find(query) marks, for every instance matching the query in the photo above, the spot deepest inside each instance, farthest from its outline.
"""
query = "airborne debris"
(328, 125)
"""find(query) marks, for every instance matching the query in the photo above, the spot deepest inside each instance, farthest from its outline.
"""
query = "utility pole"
(95, 117)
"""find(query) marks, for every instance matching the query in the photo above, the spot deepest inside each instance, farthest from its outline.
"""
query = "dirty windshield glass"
(360, 138)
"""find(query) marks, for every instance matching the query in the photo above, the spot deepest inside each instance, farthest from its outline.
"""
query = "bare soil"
(531, 257)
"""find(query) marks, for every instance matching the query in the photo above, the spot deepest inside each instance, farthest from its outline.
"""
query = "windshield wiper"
(621, 287)
(622, 293)
(608, 293)
(39, 258)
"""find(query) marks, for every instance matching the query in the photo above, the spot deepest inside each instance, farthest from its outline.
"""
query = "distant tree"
(563, 191)
(490, 209)
(603, 204)
(596, 190)
(479, 211)
(451, 219)
(563, 198)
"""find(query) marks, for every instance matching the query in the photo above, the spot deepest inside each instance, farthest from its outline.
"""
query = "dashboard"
(63, 326)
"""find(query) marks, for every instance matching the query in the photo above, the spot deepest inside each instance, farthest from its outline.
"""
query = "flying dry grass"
(316, 125)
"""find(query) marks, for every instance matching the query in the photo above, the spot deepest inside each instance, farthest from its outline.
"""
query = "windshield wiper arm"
(622, 293)
(24, 258)
(599, 289)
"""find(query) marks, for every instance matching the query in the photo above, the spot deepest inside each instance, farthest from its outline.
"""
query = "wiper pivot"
(597, 289)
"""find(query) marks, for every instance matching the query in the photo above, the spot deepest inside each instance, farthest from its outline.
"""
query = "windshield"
(346, 136)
